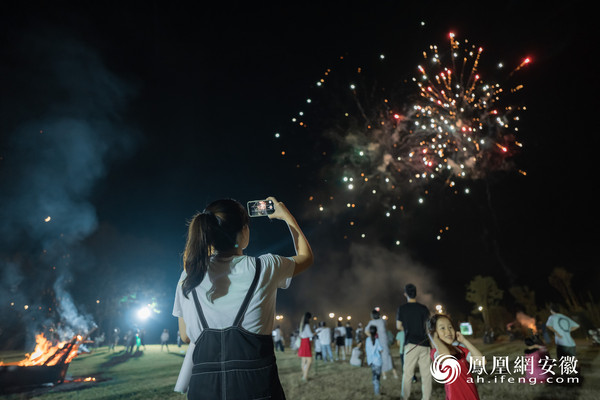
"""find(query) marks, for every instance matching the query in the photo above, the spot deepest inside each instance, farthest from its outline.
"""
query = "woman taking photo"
(225, 303)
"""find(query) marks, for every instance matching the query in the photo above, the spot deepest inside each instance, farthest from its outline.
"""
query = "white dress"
(386, 357)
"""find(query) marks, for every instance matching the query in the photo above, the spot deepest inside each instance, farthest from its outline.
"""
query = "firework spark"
(455, 126)
(459, 127)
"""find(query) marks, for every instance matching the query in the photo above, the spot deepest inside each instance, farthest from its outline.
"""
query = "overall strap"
(199, 310)
(251, 290)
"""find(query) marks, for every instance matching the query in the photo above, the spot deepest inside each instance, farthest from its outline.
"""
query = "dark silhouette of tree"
(560, 279)
(484, 293)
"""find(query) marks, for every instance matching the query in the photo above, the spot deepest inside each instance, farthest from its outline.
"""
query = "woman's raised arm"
(304, 256)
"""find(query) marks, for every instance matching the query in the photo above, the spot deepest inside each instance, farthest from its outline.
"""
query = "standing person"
(143, 338)
(226, 300)
(562, 326)
(278, 338)
(294, 341)
(324, 333)
(359, 333)
(126, 340)
(447, 341)
(339, 334)
(114, 340)
(318, 347)
(131, 341)
(411, 318)
(304, 352)
(164, 339)
(348, 339)
(386, 357)
(138, 341)
(374, 351)
(178, 338)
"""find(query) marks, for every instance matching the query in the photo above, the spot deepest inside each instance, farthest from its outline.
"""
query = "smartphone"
(260, 208)
(466, 328)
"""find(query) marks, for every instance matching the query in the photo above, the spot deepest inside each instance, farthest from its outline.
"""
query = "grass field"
(151, 374)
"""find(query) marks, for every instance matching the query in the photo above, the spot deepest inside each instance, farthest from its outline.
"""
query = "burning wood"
(46, 353)
(47, 364)
(527, 321)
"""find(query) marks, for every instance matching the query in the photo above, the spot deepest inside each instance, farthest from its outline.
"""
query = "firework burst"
(390, 148)
(459, 127)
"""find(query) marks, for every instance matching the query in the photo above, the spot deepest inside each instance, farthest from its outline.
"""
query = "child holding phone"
(447, 341)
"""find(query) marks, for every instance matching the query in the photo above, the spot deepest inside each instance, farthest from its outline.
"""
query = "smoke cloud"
(67, 127)
(354, 282)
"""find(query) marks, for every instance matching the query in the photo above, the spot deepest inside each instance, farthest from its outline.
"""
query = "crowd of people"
(226, 300)
(132, 339)
(421, 338)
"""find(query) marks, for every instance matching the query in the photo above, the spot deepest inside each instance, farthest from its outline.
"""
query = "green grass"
(152, 375)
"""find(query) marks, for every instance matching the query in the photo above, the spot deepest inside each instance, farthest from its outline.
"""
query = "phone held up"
(260, 208)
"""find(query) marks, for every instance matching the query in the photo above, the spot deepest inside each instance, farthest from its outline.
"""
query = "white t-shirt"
(306, 332)
(562, 324)
(231, 278)
(339, 331)
(324, 333)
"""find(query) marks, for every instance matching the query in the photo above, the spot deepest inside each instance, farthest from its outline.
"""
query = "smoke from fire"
(62, 129)
(371, 276)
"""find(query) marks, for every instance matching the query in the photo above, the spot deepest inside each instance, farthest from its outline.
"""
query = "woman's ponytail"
(212, 232)
(196, 255)
(305, 321)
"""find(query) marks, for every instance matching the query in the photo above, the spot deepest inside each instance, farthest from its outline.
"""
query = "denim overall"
(232, 363)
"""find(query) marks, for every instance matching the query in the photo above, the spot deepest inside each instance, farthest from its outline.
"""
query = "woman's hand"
(304, 255)
(281, 211)
(460, 337)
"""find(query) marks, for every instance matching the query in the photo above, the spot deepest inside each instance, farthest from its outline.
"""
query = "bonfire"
(46, 353)
(47, 364)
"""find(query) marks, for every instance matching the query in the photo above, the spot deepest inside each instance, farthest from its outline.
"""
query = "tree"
(483, 292)
(525, 297)
(560, 279)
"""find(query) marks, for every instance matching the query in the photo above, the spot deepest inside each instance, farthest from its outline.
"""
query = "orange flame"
(526, 321)
(46, 353)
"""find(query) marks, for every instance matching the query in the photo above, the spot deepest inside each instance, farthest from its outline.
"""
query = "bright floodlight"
(143, 313)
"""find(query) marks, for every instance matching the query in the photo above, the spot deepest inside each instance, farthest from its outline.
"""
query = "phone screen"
(260, 208)
(466, 328)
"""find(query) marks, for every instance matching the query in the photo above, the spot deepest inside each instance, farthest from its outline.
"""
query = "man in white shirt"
(324, 334)
(562, 326)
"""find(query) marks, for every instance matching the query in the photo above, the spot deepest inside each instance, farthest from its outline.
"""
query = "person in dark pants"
(131, 339)
(225, 302)
(164, 339)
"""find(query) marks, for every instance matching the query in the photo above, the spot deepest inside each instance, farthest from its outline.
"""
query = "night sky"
(120, 120)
